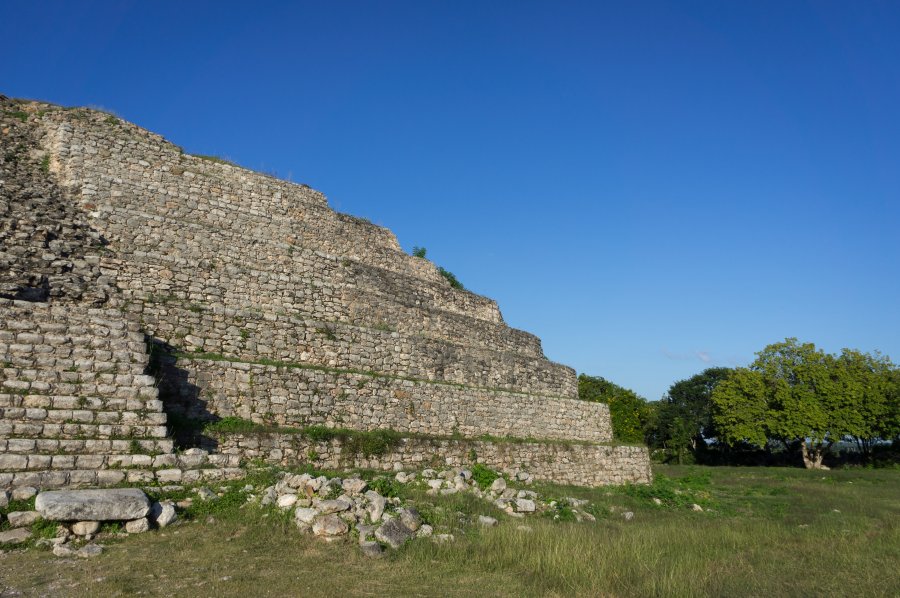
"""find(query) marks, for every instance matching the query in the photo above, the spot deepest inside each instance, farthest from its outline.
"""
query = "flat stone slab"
(115, 504)
(16, 536)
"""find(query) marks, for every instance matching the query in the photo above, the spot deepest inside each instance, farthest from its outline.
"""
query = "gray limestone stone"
(15, 536)
(22, 518)
(163, 513)
(393, 533)
(119, 504)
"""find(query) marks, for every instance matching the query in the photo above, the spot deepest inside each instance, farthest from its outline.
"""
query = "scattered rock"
(115, 504)
(377, 503)
(137, 526)
(442, 538)
(657, 501)
(628, 515)
(61, 550)
(486, 521)
(330, 525)
(305, 515)
(331, 506)
(696, 507)
(425, 531)
(22, 518)
(410, 518)
(85, 528)
(393, 533)
(23, 492)
(371, 549)
(4, 499)
(354, 486)
(89, 550)
(286, 501)
(206, 494)
(15, 536)
(163, 513)
(524, 505)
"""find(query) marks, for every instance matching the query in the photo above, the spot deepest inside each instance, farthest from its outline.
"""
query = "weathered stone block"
(93, 505)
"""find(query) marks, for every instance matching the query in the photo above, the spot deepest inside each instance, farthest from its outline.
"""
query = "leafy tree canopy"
(630, 413)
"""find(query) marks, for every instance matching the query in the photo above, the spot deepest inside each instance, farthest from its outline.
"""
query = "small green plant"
(385, 486)
(327, 332)
(195, 308)
(451, 278)
(23, 116)
(244, 334)
(483, 476)
(45, 164)
(44, 529)
(112, 120)
(312, 455)
(419, 252)
(384, 327)
(234, 425)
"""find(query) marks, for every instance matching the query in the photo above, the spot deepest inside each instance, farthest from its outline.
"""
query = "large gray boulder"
(116, 504)
(393, 533)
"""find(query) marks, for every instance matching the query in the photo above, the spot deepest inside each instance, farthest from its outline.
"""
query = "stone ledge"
(577, 464)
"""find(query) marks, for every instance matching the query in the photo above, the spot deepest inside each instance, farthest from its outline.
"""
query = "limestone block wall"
(301, 396)
(575, 464)
(248, 336)
(215, 237)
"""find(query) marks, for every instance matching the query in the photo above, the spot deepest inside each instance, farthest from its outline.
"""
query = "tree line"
(793, 404)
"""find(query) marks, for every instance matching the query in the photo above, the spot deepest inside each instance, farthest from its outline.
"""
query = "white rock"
(524, 505)
(23, 492)
(498, 485)
(425, 531)
(22, 518)
(286, 501)
(305, 515)
(377, 504)
(486, 521)
(442, 538)
(116, 504)
(85, 528)
(137, 526)
(698, 508)
(330, 525)
(163, 513)
(628, 515)
(435, 484)
(354, 486)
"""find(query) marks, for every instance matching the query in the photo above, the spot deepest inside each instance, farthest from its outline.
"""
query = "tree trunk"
(812, 456)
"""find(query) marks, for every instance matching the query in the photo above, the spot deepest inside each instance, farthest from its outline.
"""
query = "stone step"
(44, 416)
(272, 261)
(80, 403)
(22, 428)
(349, 304)
(36, 462)
(54, 446)
(110, 477)
(253, 337)
(12, 387)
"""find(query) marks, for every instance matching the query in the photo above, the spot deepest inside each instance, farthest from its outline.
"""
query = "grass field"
(763, 532)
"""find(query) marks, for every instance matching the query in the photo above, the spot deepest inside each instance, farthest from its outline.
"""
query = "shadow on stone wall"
(186, 411)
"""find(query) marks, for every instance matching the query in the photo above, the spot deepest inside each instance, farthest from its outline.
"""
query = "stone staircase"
(76, 408)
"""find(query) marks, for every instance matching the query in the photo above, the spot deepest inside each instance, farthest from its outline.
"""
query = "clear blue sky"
(652, 188)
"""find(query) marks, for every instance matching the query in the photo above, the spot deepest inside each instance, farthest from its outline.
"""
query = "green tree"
(791, 393)
(869, 384)
(630, 413)
(685, 413)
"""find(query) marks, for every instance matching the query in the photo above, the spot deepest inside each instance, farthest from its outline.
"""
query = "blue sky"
(652, 188)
